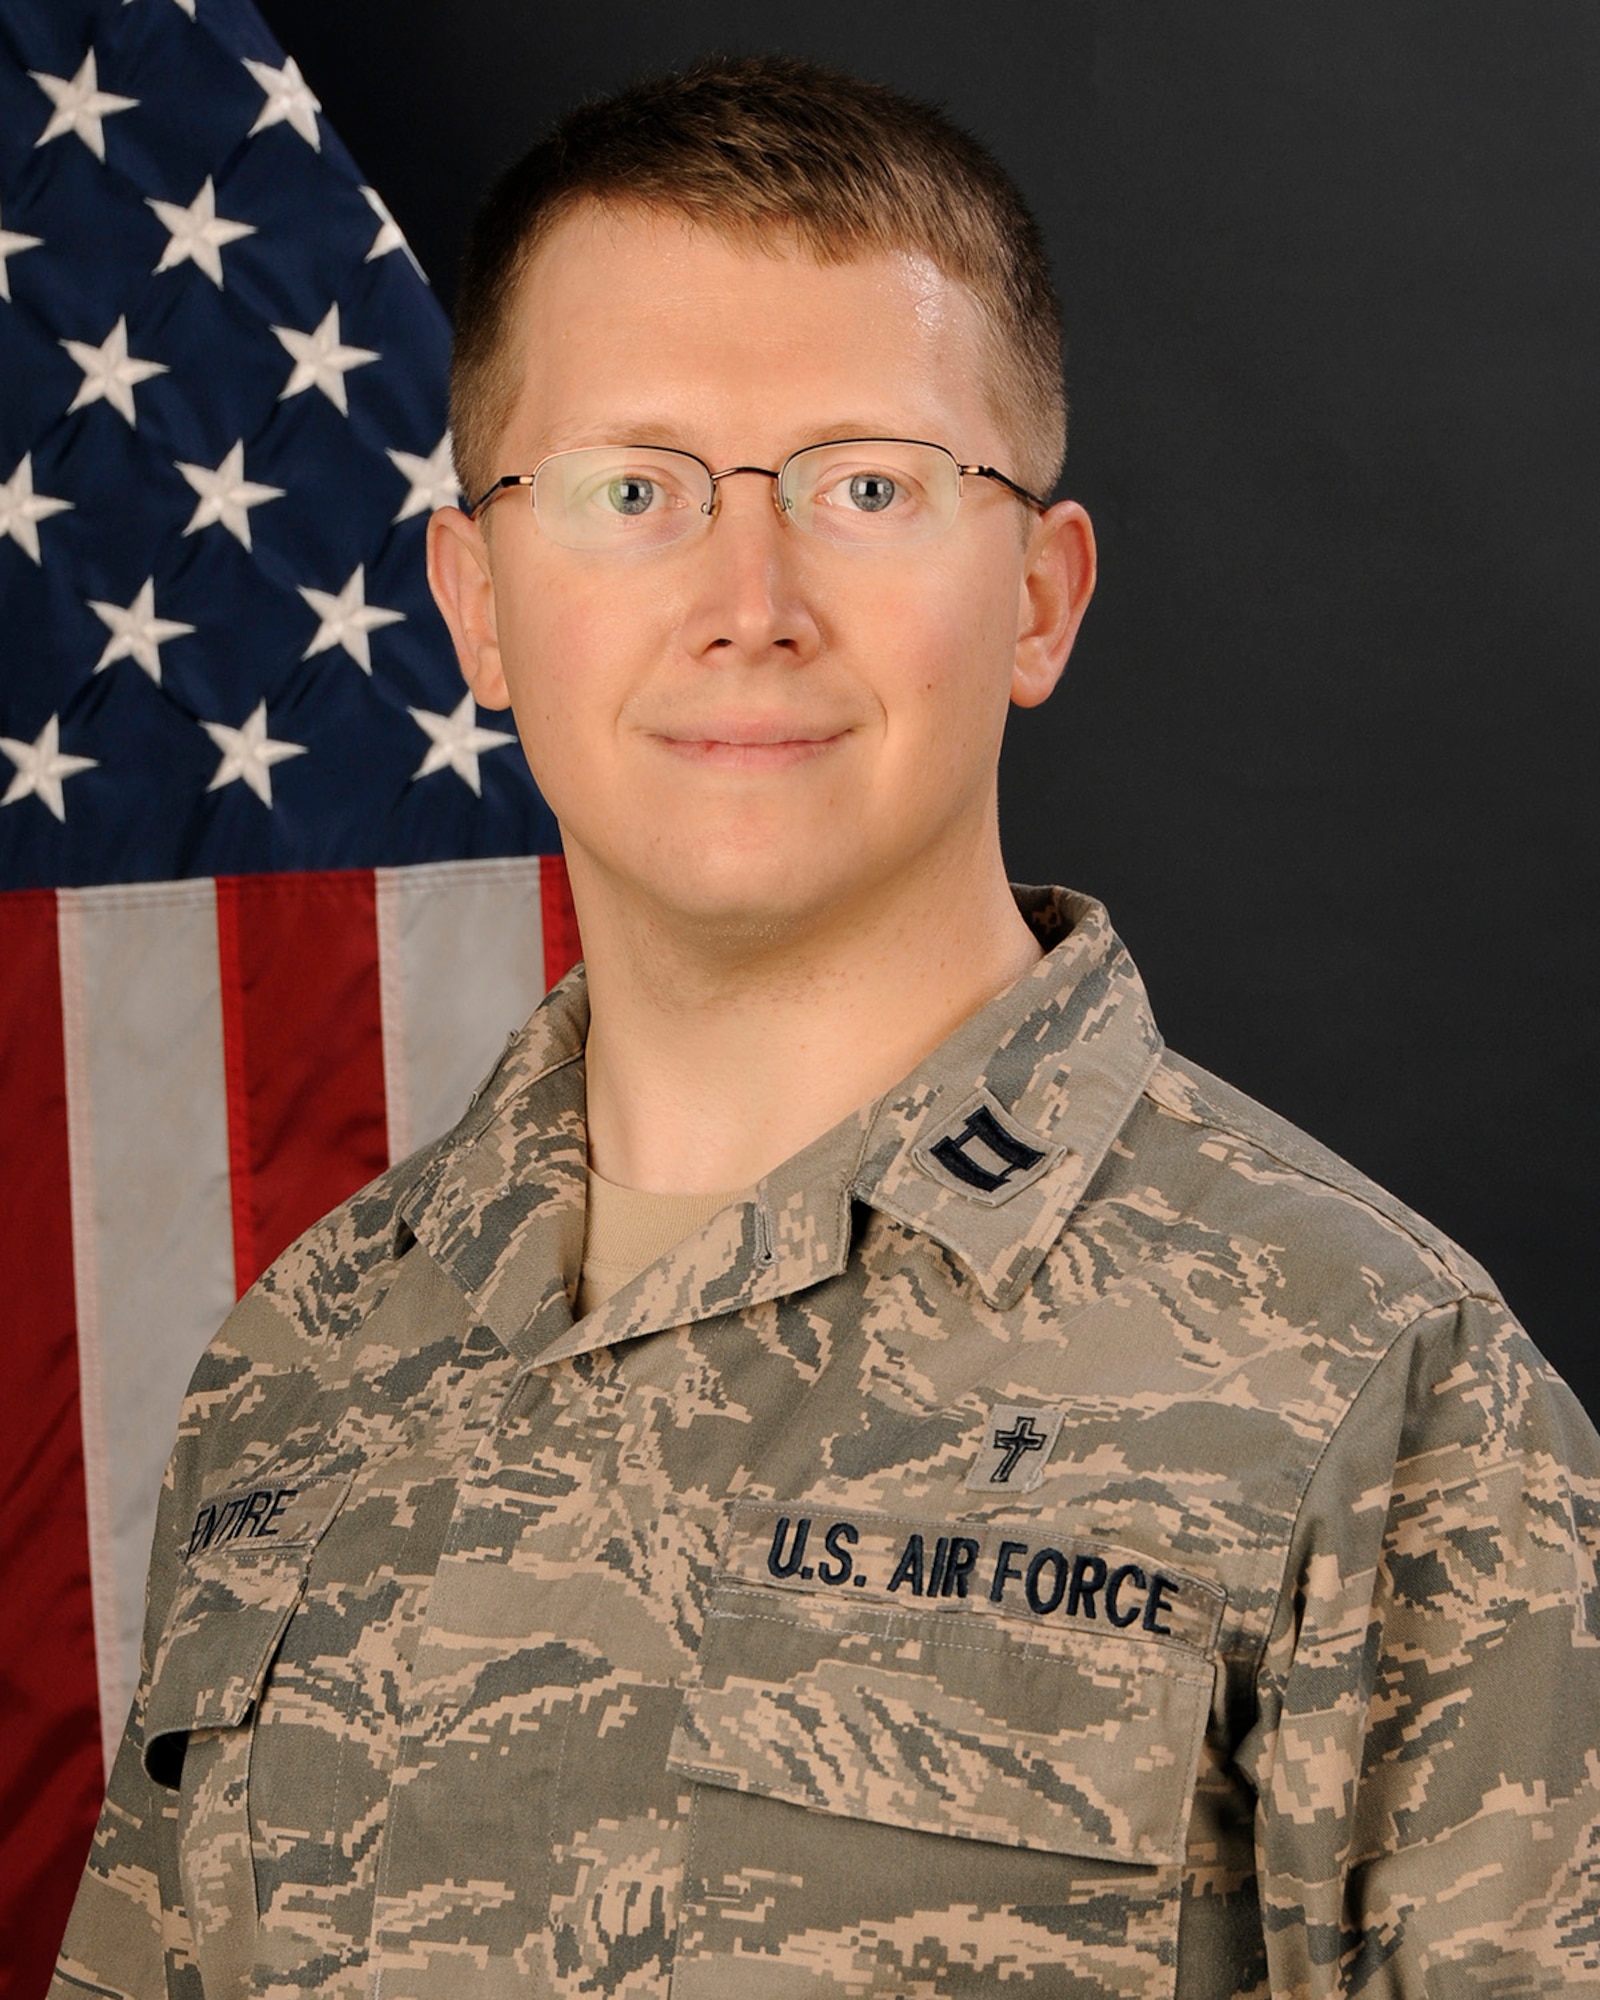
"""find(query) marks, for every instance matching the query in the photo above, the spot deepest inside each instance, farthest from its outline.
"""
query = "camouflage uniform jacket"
(1066, 1533)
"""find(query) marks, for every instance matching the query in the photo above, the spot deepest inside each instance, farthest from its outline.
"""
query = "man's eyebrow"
(648, 430)
(847, 428)
(666, 432)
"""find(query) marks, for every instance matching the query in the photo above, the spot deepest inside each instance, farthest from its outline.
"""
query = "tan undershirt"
(627, 1230)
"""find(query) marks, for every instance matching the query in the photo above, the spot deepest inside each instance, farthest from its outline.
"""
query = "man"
(851, 1470)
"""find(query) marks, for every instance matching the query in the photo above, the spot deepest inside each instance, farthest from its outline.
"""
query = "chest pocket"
(891, 1801)
(208, 1672)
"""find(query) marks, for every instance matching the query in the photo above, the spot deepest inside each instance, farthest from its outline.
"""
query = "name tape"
(276, 1511)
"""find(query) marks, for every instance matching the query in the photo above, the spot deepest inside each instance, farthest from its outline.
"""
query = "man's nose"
(752, 598)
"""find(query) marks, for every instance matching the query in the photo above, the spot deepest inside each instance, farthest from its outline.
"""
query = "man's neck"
(710, 1061)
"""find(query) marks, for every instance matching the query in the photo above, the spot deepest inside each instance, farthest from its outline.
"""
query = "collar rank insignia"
(981, 1151)
(1017, 1444)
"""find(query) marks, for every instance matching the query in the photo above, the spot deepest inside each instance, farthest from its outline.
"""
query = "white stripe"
(149, 1121)
(113, 1684)
(392, 1011)
(462, 955)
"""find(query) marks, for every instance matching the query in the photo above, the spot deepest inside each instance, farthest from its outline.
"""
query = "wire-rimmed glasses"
(861, 493)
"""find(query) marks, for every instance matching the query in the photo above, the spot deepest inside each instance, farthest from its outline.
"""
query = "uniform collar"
(1029, 1093)
(986, 1148)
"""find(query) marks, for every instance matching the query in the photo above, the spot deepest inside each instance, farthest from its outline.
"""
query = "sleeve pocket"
(206, 1678)
(225, 1625)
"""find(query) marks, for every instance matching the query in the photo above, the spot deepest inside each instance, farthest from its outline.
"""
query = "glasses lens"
(871, 492)
(620, 497)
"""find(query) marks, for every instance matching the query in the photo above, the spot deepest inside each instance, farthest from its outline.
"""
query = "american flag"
(271, 890)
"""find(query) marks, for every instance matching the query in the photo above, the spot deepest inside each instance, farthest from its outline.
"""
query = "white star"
(226, 495)
(347, 618)
(390, 235)
(433, 479)
(21, 509)
(41, 766)
(249, 753)
(198, 232)
(80, 105)
(289, 99)
(457, 741)
(136, 631)
(110, 372)
(12, 244)
(321, 361)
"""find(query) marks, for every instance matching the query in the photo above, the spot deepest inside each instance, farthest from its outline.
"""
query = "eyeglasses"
(864, 493)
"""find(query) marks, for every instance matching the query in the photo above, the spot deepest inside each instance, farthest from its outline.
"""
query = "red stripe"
(562, 947)
(50, 1760)
(303, 1052)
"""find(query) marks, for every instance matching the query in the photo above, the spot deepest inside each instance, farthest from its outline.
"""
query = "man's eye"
(630, 496)
(872, 492)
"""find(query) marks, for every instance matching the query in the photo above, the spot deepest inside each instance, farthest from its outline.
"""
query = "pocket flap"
(221, 1633)
(1032, 1738)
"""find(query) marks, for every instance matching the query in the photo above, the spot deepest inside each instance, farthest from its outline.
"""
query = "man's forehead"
(657, 319)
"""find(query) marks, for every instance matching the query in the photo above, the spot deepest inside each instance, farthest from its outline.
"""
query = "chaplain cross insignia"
(1016, 1448)
(1013, 1443)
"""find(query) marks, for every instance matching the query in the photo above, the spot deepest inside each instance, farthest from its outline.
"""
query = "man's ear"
(463, 588)
(1057, 583)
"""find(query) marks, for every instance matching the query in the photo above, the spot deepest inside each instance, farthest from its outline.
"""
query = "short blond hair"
(772, 148)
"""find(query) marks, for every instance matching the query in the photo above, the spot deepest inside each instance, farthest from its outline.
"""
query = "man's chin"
(736, 903)
(741, 913)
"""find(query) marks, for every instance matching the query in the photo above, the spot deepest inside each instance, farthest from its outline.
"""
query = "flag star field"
(221, 433)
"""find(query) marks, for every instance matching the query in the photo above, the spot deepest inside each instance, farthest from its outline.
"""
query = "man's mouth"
(750, 743)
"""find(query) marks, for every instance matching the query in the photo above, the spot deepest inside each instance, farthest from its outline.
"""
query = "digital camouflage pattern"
(1067, 1533)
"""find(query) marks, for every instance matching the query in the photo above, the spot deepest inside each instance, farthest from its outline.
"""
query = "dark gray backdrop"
(1327, 746)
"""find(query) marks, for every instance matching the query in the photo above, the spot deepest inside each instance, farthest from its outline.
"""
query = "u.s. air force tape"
(988, 1568)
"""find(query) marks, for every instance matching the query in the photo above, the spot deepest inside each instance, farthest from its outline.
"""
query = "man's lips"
(754, 744)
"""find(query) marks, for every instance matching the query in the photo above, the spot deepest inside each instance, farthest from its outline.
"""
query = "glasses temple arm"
(500, 486)
(1011, 486)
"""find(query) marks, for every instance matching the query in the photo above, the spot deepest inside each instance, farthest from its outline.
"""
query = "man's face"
(753, 728)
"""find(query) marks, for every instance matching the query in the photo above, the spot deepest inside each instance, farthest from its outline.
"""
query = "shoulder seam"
(1444, 1255)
